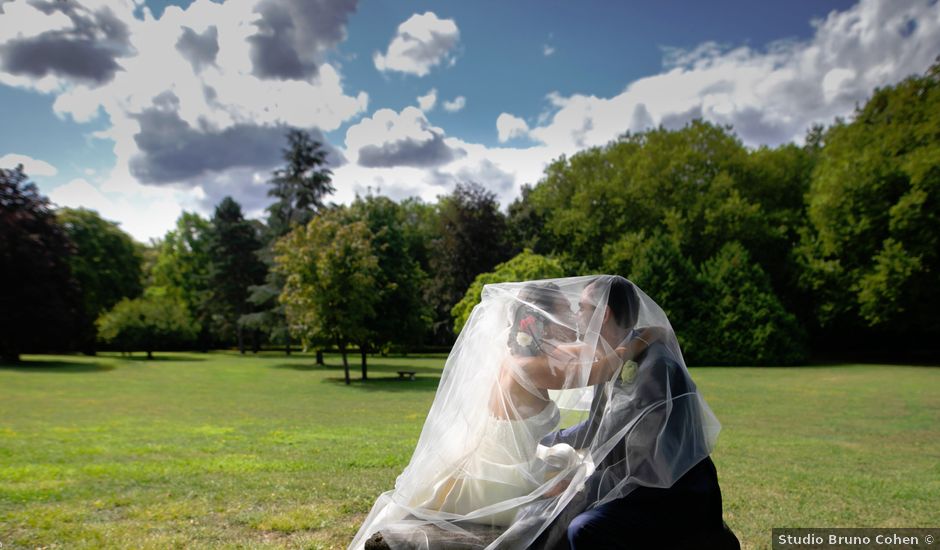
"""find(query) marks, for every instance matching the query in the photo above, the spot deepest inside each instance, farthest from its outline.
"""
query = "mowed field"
(270, 451)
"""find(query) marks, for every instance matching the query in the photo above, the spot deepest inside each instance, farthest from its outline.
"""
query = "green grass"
(269, 451)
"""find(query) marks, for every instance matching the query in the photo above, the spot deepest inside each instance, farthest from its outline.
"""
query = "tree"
(524, 266)
(402, 317)
(182, 266)
(300, 185)
(470, 239)
(234, 266)
(871, 253)
(39, 297)
(329, 295)
(106, 264)
(741, 320)
(154, 321)
(299, 188)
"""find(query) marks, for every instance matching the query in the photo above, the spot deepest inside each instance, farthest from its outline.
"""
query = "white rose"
(523, 339)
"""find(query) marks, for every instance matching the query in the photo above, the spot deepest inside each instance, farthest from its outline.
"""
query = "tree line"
(758, 256)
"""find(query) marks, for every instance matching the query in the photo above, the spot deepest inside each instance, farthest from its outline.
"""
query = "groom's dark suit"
(647, 517)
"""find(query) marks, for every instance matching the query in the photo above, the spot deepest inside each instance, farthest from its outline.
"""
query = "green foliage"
(40, 300)
(107, 265)
(872, 251)
(741, 321)
(300, 185)
(182, 265)
(470, 238)
(330, 270)
(152, 322)
(234, 266)
(525, 266)
(402, 315)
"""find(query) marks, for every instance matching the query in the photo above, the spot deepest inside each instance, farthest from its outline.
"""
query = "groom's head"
(621, 307)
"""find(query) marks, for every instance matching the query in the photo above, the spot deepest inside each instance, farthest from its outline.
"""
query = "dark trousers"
(652, 517)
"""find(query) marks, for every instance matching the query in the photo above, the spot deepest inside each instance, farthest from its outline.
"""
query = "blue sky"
(141, 111)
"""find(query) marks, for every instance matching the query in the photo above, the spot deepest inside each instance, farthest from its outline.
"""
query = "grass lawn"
(269, 451)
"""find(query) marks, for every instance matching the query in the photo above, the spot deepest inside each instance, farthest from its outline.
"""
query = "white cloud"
(771, 96)
(31, 167)
(422, 42)
(199, 75)
(509, 127)
(151, 214)
(455, 104)
(547, 50)
(398, 139)
(427, 102)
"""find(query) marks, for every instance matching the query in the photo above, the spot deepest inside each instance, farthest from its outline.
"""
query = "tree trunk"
(241, 340)
(149, 353)
(320, 357)
(362, 352)
(255, 341)
(11, 356)
(287, 337)
(342, 350)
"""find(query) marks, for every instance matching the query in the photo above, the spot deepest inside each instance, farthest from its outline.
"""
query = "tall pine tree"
(234, 267)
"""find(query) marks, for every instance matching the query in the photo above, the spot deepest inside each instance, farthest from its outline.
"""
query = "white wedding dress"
(508, 464)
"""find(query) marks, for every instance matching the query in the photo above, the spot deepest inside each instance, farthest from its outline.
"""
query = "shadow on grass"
(56, 366)
(158, 358)
(388, 383)
(355, 369)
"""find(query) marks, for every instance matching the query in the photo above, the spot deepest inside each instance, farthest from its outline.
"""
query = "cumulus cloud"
(294, 35)
(547, 50)
(211, 121)
(509, 127)
(64, 40)
(199, 49)
(154, 213)
(422, 42)
(455, 104)
(770, 96)
(31, 167)
(428, 101)
(406, 139)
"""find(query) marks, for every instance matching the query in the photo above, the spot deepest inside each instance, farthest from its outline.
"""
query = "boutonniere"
(628, 372)
(524, 339)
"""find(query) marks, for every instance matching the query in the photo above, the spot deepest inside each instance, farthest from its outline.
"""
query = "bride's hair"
(529, 320)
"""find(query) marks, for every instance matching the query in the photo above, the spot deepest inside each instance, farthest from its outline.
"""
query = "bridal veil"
(593, 355)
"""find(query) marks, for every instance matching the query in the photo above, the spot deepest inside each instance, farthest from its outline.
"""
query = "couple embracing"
(565, 418)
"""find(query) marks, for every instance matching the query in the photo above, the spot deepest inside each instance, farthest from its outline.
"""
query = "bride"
(523, 356)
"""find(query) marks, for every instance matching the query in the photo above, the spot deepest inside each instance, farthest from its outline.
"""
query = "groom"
(685, 514)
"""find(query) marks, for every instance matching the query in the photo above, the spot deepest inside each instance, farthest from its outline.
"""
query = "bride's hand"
(558, 488)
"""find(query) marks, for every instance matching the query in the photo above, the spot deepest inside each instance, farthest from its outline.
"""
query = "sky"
(144, 109)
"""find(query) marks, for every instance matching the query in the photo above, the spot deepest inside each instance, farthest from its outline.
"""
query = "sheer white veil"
(592, 353)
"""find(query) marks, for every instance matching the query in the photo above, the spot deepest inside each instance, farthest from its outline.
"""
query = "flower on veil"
(526, 323)
(524, 339)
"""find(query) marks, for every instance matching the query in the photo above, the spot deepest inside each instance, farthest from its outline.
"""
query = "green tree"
(329, 295)
(106, 264)
(152, 322)
(471, 238)
(525, 266)
(741, 321)
(299, 187)
(234, 266)
(40, 300)
(871, 253)
(402, 317)
(182, 266)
